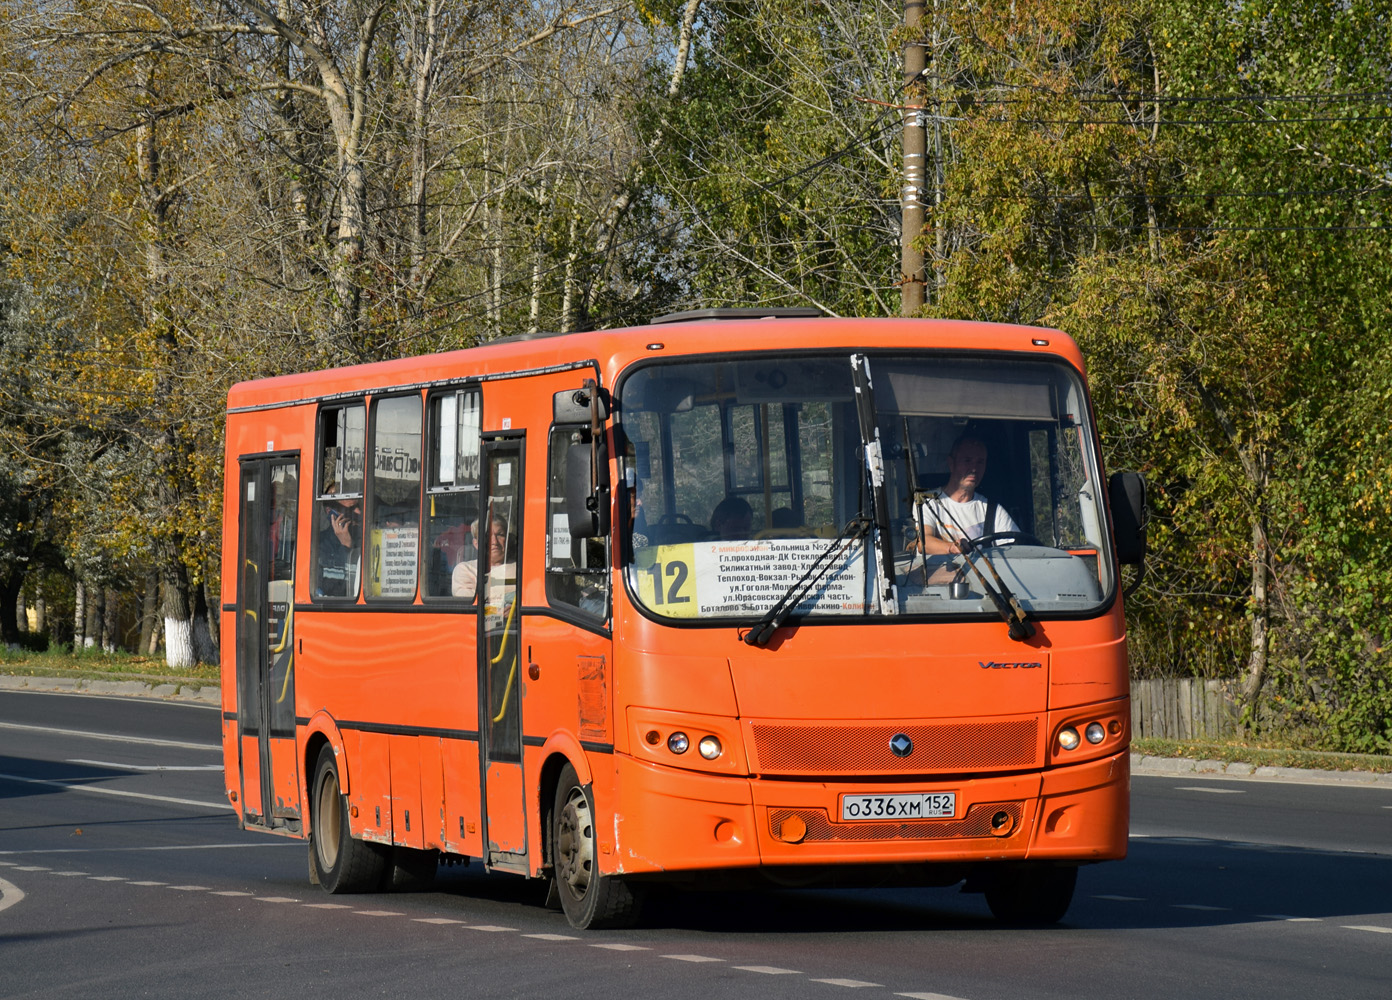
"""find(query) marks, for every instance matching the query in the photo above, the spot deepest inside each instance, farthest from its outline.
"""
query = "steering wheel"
(1005, 538)
(674, 519)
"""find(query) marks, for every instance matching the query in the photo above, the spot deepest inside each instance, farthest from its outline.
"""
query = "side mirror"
(572, 406)
(586, 501)
(1126, 492)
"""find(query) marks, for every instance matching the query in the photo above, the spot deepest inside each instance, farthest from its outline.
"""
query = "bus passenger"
(340, 549)
(732, 518)
(501, 571)
(958, 511)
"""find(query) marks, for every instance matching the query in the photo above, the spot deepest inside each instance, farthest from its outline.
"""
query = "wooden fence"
(1182, 709)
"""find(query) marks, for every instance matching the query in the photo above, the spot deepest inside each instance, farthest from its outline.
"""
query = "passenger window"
(394, 537)
(577, 569)
(451, 500)
(339, 501)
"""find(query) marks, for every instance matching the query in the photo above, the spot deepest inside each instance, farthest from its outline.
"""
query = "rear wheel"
(1031, 894)
(589, 899)
(343, 863)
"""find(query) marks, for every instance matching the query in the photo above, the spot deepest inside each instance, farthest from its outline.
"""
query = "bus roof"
(611, 350)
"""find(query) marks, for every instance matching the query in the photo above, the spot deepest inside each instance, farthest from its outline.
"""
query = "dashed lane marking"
(233, 892)
(621, 947)
(693, 958)
(552, 937)
(1367, 927)
(113, 737)
(275, 899)
(491, 928)
(852, 983)
(374, 913)
(436, 920)
(10, 894)
(768, 970)
(328, 906)
(927, 996)
(189, 888)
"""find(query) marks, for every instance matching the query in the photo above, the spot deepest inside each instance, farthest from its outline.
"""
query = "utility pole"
(911, 280)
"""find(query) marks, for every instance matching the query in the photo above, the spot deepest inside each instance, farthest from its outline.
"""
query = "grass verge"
(96, 665)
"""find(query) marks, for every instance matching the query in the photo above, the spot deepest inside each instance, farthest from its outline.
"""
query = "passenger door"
(499, 658)
(268, 519)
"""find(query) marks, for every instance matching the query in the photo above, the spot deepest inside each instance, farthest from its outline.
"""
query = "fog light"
(1095, 733)
(678, 743)
(1067, 738)
(709, 747)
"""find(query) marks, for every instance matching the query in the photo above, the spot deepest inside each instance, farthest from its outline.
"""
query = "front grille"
(976, 823)
(857, 748)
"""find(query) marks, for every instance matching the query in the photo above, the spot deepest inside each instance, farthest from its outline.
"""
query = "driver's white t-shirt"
(950, 519)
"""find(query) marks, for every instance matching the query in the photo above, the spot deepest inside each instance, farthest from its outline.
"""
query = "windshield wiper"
(1007, 605)
(762, 631)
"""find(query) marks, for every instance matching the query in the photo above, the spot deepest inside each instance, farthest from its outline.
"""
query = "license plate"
(915, 805)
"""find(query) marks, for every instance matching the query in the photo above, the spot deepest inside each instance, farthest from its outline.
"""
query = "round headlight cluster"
(1093, 732)
(679, 743)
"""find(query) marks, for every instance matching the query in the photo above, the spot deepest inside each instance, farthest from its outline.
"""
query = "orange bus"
(688, 602)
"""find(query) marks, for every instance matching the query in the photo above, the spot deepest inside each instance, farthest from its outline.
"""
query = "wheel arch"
(561, 749)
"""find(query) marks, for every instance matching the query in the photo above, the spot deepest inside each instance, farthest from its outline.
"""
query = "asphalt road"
(122, 874)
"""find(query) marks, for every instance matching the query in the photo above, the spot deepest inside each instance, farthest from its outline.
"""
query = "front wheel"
(343, 864)
(589, 899)
(1031, 894)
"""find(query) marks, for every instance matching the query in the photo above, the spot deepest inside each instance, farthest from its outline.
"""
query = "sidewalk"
(208, 694)
(1177, 767)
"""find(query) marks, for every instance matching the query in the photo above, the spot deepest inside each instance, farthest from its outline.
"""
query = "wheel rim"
(575, 844)
(328, 820)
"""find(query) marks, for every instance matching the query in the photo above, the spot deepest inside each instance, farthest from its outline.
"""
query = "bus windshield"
(746, 481)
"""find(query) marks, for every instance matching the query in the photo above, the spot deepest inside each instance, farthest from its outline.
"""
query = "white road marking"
(107, 878)
(80, 786)
(693, 958)
(149, 883)
(162, 847)
(145, 767)
(436, 920)
(1367, 927)
(368, 913)
(112, 737)
(492, 928)
(328, 906)
(232, 892)
(927, 996)
(9, 894)
(276, 899)
(852, 983)
(768, 970)
(620, 947)
(189, 888)
(552, 937)
(1211, 791)
(70, 873)
(32, 868)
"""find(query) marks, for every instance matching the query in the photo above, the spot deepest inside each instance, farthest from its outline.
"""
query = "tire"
(343, 863)
(590, 900)
(1031, 894)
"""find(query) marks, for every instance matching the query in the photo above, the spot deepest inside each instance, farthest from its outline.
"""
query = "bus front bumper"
(671, 820)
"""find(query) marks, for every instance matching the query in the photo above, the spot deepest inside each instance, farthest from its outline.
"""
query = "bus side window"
(577, 569)
(339, 501)
(452, 484)
(394, 497)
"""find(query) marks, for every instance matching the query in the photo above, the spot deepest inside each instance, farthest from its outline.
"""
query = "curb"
(208, 694)
(1180, 766)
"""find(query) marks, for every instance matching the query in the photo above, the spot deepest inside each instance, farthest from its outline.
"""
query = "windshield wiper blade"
(1006, 604)
(762, 631)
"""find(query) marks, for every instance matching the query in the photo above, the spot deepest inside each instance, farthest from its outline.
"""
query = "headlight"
(709, 747)
(678, 743)
(1095, 733)
(1067, 738)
